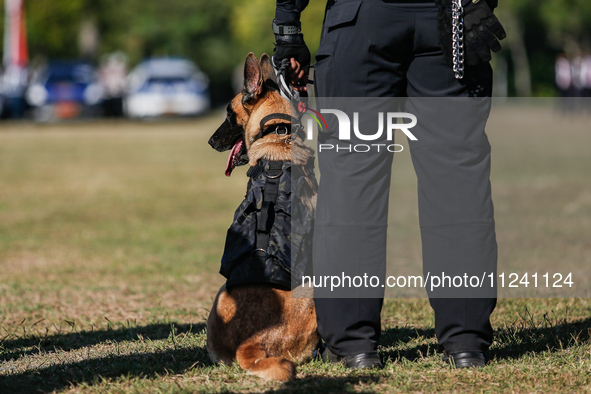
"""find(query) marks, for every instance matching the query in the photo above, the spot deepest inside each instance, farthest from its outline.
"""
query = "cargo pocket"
(341, 14)
(338, 16)
(280, 236)
(241, 237)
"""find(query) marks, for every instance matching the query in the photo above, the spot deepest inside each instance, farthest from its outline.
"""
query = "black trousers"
(380, 48)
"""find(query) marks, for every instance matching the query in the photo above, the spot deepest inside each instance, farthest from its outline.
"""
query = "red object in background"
(66, 110)
(16, 51)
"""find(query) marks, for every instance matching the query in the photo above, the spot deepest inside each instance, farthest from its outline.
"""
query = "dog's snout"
(212, 142)
(218, 143)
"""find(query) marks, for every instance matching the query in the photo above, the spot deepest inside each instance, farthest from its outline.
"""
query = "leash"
(284, 86)
(286, 90)
(298, 101)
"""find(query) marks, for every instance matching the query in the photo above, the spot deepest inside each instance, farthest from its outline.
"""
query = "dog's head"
(241, 132)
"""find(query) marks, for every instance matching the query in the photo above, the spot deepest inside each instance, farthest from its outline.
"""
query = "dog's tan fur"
(265, 329)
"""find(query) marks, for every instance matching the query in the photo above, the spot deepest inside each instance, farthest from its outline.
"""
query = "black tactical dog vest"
(270, 240)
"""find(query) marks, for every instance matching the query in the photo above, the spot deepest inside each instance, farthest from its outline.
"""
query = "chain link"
(457, 33)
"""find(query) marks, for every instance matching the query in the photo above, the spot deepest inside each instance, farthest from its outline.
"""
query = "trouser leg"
(352, 207)
(354, 332)
(381, 54)
(350, 241)
(452, 162)
(458, 238)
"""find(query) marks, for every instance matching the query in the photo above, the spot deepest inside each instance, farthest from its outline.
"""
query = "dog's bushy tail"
(252, 357)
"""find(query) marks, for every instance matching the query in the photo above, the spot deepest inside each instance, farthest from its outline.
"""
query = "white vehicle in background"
(166, 86)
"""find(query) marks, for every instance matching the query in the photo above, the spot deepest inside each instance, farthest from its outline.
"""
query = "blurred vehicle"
(2, 114)
(166, 86)
(65, 89)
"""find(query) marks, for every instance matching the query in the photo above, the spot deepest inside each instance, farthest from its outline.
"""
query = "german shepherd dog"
(262, 327)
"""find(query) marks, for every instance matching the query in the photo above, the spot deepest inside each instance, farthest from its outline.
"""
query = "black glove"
(291, 45)
(482, 33)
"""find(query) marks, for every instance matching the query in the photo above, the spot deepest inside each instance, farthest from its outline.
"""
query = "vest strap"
(267, 215)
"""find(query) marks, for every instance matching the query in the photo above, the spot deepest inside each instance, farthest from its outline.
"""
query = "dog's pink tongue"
(233, 155)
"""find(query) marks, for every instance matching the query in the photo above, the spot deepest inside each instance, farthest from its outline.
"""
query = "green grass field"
(111, 235)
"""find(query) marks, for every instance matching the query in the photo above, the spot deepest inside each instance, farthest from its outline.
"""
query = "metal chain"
(457, 33)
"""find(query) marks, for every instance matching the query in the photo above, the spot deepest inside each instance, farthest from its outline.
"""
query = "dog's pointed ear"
(267, 68)
(253, 80)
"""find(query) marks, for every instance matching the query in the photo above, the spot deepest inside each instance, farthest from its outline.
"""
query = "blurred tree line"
(217, 35)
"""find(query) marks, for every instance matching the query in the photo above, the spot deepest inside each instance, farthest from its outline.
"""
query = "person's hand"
(297, 76)
(482, 33)
(293, 49)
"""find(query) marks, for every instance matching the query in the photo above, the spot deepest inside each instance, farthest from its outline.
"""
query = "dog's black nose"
(216, 143)
(212, 142)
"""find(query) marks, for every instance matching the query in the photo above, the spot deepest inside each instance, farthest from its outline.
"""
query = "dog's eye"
(231, 115)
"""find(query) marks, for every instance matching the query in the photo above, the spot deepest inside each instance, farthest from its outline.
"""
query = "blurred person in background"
(586, 75)
(564, 79)
(112, 77)
(577, 76)
(14, 82)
